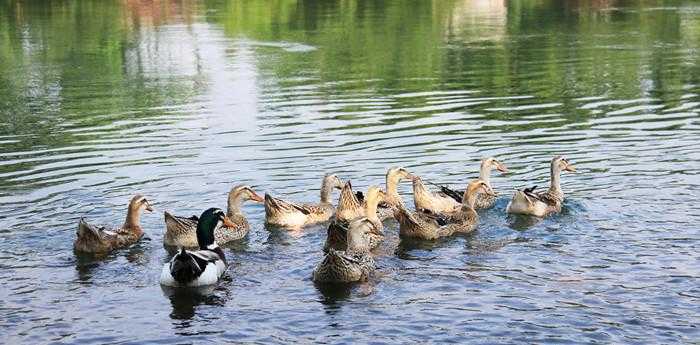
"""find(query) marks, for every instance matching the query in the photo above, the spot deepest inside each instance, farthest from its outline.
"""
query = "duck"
(483, 201)
(430, 226)
(542, 204)
(199, 267)
(394, 176)
(338, 228)
(353, 264)
(91, 238)
(292, 215)
(182, 231)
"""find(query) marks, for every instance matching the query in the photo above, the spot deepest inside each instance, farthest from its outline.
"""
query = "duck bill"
(570, 168)
(228, 223)
(256, 197)
(149, 208)
(502, 168)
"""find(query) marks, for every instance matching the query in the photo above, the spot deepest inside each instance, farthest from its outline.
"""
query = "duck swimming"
(182, 231)
(295, 216)
(541, 204)
(338, 228)
(98, 239)
(483, 200)
(430, 226)
(353, 264)
(201, 267)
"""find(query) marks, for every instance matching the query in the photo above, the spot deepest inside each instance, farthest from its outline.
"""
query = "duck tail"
(87, 231)
(174, 222)
(522, 197)
(184, 268)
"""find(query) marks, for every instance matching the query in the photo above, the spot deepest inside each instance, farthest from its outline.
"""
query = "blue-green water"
(100, 100)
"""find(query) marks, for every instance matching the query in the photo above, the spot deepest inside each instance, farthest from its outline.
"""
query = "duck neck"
(133, 219)
(469, 199)
(554, 184)
(371, 210)
(234, 204)
(326, 189)
(485, 172)
(392, 193)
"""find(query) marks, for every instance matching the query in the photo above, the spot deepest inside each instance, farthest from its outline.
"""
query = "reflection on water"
(181, 100)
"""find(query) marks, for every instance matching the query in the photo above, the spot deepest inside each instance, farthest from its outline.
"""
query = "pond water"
(181, 100)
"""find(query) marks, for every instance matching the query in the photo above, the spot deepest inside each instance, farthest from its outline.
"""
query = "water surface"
(181, 100)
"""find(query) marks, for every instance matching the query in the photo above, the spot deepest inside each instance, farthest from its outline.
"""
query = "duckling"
(295, 216)
(204, 266)
(393, 177)
(338, 228)
(541, 204)
(354, 263)
(430, 226)
(483, 200)
(182, 231)
(97, 239)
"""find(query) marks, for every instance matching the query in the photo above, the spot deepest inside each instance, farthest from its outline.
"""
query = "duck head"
(208, 222)
(491, 163)
(559, 163)
(396, 175)
(474, 188)
(244, 193)
(374, 196)
(359, 231)
(330, 182)
(139, 203)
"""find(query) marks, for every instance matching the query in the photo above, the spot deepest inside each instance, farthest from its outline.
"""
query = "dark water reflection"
(181, 100)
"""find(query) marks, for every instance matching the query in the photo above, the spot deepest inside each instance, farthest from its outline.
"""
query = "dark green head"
(208, 222)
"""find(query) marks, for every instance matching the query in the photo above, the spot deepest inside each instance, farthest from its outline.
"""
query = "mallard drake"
(352, 264)
(182, 231)
(201, 267)
(98, 239)
(483, 200)
(338, 228)
(542, 204)
(292, 215)
(430, 226)
(393, 177)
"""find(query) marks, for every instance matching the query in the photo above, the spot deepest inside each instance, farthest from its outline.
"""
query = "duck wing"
(454, 194)
(188, 266)
(178, 222)
(285, 206)
(89, 231)
(548, 197)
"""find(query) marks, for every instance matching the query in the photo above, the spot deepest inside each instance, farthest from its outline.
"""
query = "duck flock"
(354, 230)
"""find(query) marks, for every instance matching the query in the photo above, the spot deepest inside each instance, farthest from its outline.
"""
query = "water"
(181, 100)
